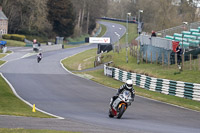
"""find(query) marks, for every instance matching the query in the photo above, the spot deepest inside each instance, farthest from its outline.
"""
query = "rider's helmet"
(129, 84)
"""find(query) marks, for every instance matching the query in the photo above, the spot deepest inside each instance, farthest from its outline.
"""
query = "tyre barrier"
(165, 86)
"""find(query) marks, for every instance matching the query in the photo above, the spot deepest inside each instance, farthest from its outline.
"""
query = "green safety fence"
(165, 86)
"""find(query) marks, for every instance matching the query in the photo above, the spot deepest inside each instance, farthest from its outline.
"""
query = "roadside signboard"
(101, 40)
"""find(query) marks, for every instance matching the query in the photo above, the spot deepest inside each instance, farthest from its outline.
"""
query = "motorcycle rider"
(39, 57)
(127, 86)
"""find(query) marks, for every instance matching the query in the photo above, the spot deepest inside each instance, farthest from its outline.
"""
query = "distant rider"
(127, 86)
(39, 57)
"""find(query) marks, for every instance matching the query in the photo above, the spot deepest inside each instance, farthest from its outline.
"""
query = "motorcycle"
(39, 58)
(120, 105)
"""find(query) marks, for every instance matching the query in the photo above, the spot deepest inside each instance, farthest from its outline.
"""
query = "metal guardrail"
(119, 20)
(165, 86)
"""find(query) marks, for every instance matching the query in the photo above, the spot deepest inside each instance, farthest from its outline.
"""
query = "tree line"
(76, 17)
(157, 14)
(52, 17)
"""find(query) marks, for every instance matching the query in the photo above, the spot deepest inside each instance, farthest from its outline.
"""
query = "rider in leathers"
(128, 86)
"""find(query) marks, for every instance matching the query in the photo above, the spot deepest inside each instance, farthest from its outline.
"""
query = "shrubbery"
(6, 36)
(14, 37)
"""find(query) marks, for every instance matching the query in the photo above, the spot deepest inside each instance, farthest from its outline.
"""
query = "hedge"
(14, 37)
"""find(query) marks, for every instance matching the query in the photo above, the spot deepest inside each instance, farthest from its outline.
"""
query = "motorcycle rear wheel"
(121, 111)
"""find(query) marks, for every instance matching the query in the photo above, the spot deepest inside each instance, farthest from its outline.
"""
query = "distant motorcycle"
(120, 105)
(39, 57)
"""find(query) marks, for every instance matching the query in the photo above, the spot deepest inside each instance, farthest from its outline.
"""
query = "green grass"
(99, 77)
(132, 31)
(78, 39)
(14, 43)
(74, 46)
(11, 105)
(20, 130)
(1, 62)
(103, 30)
(84, 59)
(148, 69)
(2, 55)
(153, 70)
(8, 52)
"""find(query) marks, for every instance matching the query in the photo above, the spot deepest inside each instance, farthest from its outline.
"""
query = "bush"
(18, 37)
(41, 39)
(6, 36)
(14, 37)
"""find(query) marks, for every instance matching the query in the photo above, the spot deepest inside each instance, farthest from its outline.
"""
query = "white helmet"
(129, 84)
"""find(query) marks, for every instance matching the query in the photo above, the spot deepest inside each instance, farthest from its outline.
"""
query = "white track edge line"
(27, 101)
(115, 89)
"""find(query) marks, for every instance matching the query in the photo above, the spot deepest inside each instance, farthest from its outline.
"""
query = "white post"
(138, 53)
(128, 14)
(184, 24)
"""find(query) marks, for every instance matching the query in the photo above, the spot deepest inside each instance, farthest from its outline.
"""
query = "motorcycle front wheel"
(121, 111)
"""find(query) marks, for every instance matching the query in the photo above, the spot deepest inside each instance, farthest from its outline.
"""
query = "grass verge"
(153, 70)
(99, 77)
(2, 55)
(20, 130)
(81, 61)
(103, 30)
(77, 39)
(1, 62)
(74, 46)
(11, 105)
(132, 31)
(149, 69)
(14, 43)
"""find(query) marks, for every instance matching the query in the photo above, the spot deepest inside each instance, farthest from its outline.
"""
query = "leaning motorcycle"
(39, 59)
(120, 105)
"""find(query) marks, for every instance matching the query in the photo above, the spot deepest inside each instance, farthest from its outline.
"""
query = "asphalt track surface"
(61, 93)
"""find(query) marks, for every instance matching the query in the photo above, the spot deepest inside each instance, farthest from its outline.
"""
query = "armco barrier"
(119, 20)
(51, 47)
(169, 87)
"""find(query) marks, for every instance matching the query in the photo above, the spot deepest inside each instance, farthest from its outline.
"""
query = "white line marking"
(28, 55)
(13, 89)
(115, 89)
(3, 64)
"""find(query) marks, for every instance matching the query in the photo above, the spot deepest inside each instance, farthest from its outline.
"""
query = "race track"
(61, 93)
